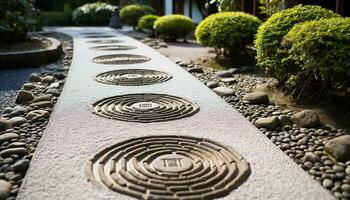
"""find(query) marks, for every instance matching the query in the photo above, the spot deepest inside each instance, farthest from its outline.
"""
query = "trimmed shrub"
(94, 14)
(55, 18)
(230, 31)
(147, 21)
(321, 50)
(132, 13)
(17, 17)
(270, 54)
(173, 27)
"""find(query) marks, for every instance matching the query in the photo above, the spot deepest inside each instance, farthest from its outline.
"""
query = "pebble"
(24, 96)
(212, 84)
(17, 121)
(270, 123)
(21, 166)
(18, 151)
(8, 136)
(223, 91)
(5, 188)
(5, 124)
(327, 183)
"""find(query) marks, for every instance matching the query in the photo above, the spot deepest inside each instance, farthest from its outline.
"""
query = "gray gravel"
(304, 145)
(28, 116)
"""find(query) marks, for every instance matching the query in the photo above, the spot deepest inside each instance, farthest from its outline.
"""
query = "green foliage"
(320, 51)
(227, 5)
(173, 27)
(17, 17)
(55, 18)
(270, 54)
(132, 13)
(94, 14)
(230, 31)
(269, 7)
(147, 21)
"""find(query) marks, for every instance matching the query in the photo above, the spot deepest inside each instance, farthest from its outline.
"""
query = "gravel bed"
(305, 145)
(23, 123)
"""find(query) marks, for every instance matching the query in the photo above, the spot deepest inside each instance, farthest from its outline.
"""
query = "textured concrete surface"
(74, 134)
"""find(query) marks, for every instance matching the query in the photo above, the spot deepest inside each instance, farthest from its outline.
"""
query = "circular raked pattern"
(144, 108)
(113, 47)
(168, 167)
(115, 59)
(99, 36)
(105, 41)
(133, 77)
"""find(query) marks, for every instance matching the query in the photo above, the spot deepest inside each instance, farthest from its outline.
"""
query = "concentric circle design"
(144, 108)
(133, 77)
(115, 59)
(92, 33)
(104, 41)
(168, 167)
(113, 47)
(99, 36)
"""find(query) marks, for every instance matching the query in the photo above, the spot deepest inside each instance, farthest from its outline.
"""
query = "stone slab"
(74, 134)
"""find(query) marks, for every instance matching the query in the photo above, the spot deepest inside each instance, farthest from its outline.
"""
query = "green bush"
(147, 21)
(321, 50)
(230, 31)
(55, 18)
(173, 27)
(17, 17)
(270, 54)
(94, 14)
(131, 14)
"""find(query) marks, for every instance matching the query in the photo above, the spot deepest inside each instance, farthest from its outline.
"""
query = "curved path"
(66, 162)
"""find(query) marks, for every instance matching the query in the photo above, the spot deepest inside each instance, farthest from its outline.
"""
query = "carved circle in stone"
(104, 41)
(144, 108)
(168, 167)
(115, 59)
(99, 36)
(133, 77)
(113, 48)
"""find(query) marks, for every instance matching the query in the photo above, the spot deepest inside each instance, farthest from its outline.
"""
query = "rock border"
(32, 58)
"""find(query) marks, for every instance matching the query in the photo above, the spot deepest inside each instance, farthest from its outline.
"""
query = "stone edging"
(32, 58)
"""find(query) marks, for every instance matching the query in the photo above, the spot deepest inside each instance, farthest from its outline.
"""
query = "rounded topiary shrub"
(132, 13)
(270, 54)
(147, 21)
(230, 31)
(93, 14)
(17, 17)
(321, 50)
(172, 27)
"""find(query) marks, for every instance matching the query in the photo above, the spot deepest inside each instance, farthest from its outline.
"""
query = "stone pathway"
(114, 141)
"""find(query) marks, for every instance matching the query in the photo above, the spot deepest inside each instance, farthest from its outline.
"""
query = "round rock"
(24, 96)
(224, 91)
(5, 124)
(306, 119)
(5, 188)
(37, 114)
(269, 123)
(257, 98)
(339, 148)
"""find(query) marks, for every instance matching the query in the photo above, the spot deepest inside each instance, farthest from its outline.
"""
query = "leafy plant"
(270, 54)
(94, 14)
(132, 13)
(320, 51)
(17, 17)
(270, 7)
(173, 27)
(146, 23)
(230, 31)
(227, 5)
